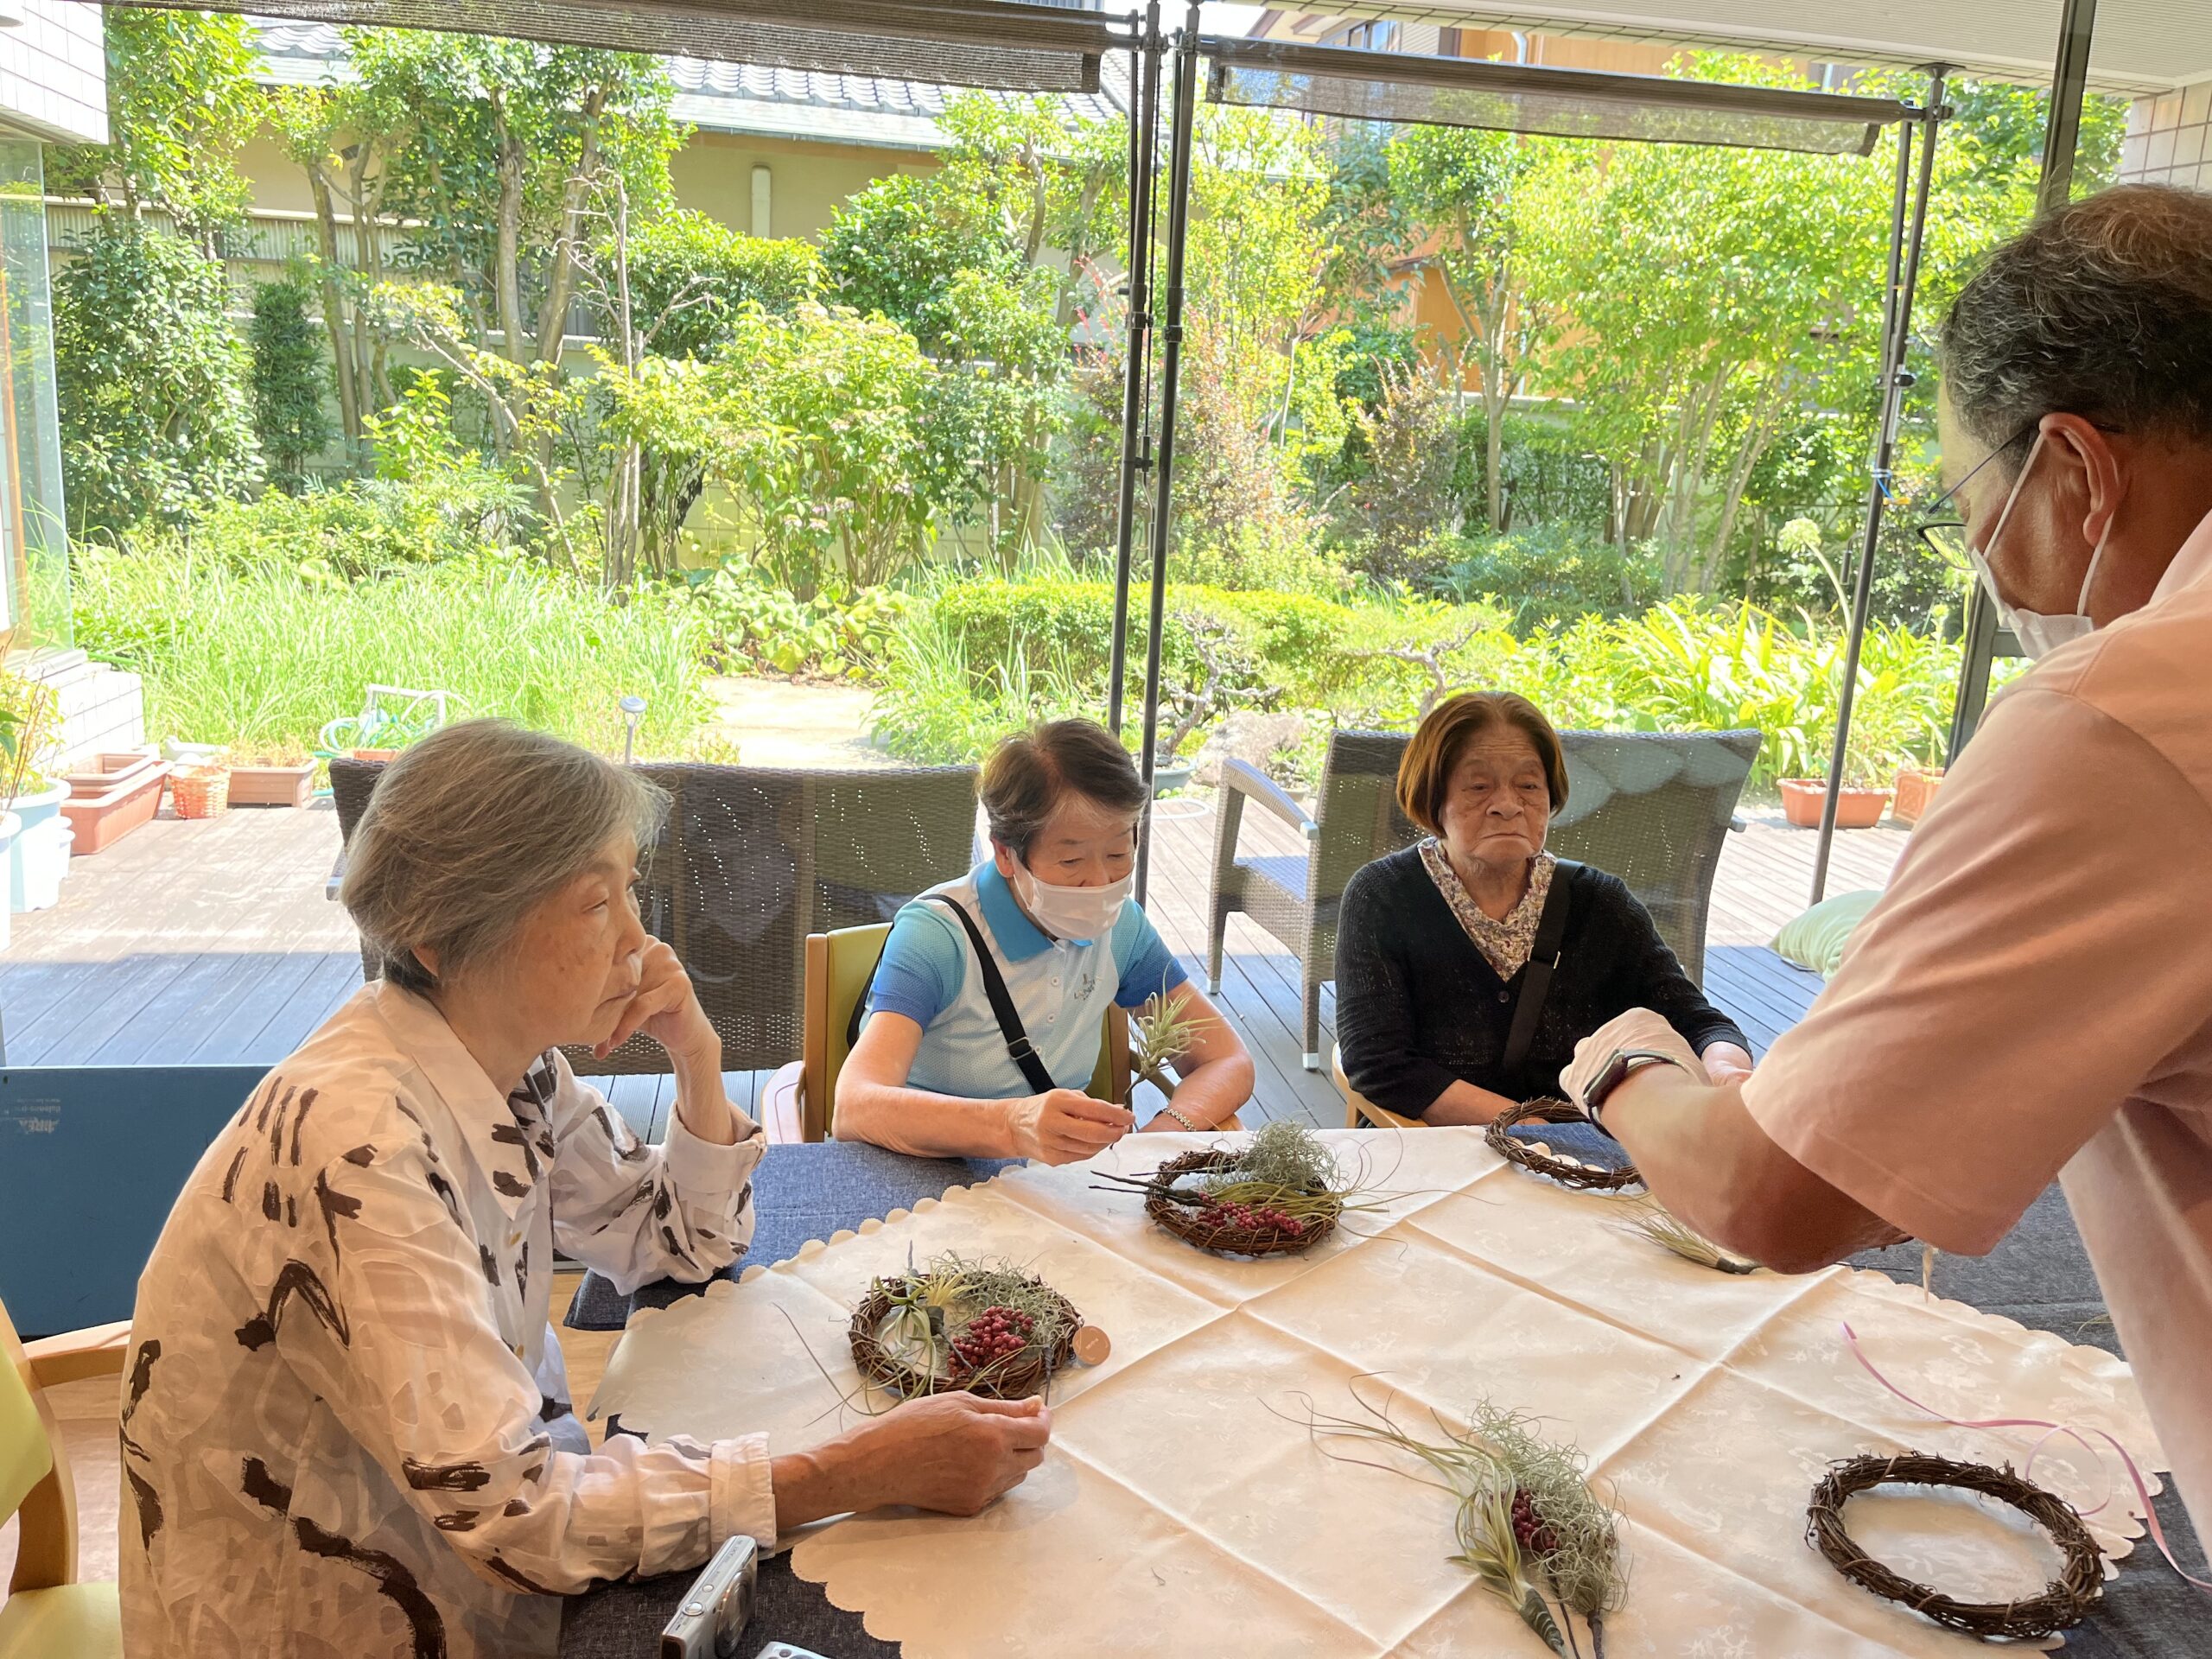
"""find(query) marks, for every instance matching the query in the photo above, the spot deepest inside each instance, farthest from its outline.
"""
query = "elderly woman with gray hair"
(347, 1427)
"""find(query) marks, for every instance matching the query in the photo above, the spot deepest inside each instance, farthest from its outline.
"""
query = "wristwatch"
(1625, 1064)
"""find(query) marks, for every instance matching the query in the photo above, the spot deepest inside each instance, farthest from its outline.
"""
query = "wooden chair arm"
(96, 1350)
(1358, 1109)
(1250, 782)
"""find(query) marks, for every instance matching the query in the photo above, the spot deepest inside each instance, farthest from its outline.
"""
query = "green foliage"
(362, 528)
(690, 276)
(289, 377)
(943, 701)
(183, 102)
(752, 624)
(1537, 574)
(151, 380)
(260, 655)
(894, 249)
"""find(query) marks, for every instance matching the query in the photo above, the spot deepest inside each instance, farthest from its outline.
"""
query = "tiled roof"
(738, 96)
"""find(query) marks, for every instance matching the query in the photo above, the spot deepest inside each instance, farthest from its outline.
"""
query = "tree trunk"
(333, 307)
(506, 278)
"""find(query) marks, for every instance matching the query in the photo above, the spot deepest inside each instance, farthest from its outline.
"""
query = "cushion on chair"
(1816, 939)
(71, 1621)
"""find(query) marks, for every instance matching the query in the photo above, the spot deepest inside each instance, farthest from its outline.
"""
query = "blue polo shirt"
(1061, 988)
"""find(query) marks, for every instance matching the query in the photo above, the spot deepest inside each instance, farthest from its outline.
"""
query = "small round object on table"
(2064, 1603)
(1093, 1345)
(1566, 1172)
(1195, 1226)
(1027, 1375)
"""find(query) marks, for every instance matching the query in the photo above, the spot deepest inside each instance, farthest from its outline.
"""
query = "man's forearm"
(921, 1124)
(1215, 1091)
(1704, 1156)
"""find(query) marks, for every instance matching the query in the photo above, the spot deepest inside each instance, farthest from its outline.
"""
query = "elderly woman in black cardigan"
(1433, 942)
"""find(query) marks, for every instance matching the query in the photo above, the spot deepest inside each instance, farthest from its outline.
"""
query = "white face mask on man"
(2038, 634)
(1071, 913)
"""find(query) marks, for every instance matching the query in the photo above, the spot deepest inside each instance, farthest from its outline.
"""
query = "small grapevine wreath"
(1566, 1172)
(984, 1326)
(1279, 1193)
(2064, 1603)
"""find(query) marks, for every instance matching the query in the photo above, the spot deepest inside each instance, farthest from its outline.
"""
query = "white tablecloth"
(1183, 1508)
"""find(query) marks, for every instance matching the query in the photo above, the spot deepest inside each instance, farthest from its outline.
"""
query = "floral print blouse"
(1505, 942)
(346, 1426)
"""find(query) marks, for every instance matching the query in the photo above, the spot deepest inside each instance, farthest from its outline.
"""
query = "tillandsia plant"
(1160, 1033)
(982, 1325)
(1644, 1217)
(1281, 1190)
(1528, 1524)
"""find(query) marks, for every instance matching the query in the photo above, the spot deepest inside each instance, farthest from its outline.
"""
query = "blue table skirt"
(2040, 1275)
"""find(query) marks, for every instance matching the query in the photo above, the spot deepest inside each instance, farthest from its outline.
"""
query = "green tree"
(151, 381)
(1463, 188)
(181, 104)
(289, 374)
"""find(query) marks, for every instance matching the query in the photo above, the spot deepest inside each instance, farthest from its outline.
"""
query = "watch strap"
(1625, 1064)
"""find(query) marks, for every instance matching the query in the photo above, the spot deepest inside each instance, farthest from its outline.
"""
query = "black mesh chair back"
(1654, 809)
(751, 861)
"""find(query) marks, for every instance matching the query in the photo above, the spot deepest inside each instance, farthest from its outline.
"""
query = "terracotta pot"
(376, 755)
(200, 792)
(112, 769)
(1916, 794)
(102, 813)
(1857, 809)
(273, 785)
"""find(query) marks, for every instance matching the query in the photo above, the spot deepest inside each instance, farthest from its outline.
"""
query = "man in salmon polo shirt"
(2032, 996)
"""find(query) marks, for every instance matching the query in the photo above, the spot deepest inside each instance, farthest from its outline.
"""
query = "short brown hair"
(1426, 772)
(1028, 773)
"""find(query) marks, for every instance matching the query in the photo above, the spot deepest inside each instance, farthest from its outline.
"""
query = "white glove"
(1638, 1028)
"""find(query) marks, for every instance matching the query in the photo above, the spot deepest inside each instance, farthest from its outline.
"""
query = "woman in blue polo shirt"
(938, 1070)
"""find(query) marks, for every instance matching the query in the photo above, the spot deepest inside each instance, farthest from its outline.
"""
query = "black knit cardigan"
(1418, 1007)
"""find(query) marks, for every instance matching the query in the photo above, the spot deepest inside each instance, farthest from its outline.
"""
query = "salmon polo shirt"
(2032, 997)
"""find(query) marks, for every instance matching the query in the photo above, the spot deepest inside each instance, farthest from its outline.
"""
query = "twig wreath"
(984, 1326)
(2064, 1603)
(1567, 1172)
(1280, 1193)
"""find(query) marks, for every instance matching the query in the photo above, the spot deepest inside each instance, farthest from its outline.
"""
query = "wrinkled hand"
(952, 1452)
(1637, 1028)
(1066, 1126)
(664, 1007)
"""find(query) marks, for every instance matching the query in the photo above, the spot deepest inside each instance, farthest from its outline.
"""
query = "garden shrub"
(1556, 572)
(363, 528)
(151, 380)
(751, 623)
(290, 380)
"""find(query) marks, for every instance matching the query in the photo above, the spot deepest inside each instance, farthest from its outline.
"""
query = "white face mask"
(1071, 913)
(2038, 634)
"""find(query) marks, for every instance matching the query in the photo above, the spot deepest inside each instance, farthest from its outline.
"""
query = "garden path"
(778, 723)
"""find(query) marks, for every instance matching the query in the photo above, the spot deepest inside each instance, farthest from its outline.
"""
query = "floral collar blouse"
(1505, 941)
(347, 1429)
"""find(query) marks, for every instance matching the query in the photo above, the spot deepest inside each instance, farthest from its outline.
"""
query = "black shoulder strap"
(1536, 976)
(1017, 1046)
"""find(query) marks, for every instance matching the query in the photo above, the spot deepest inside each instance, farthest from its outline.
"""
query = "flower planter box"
(272, 785)
(1916, 794)
(376, 755)
(42, 851)
(1856, 809)
(107, 804)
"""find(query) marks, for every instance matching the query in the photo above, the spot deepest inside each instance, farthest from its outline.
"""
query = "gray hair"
(2101, 310)
(469, 830)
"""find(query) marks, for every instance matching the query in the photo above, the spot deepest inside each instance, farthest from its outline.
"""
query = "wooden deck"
(211, 942)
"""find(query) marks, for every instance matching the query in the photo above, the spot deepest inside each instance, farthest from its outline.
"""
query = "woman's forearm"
(921, 1124)
(1464, 1102)
(1215, 1090)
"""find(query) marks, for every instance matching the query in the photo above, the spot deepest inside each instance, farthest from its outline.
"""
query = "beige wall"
(2170, 139)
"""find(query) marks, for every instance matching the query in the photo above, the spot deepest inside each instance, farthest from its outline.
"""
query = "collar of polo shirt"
(1017, 937)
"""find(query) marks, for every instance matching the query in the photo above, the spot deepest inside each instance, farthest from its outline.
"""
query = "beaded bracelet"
(1195, 1128)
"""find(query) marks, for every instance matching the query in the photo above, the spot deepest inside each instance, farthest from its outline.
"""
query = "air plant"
(1160, 1033)
(1284, 1177)
(1648, 1218)
(970, 1321)
(1527, 1525)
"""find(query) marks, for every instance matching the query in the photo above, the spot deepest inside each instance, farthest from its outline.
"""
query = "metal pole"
(1905, 241)
(1144, 111)
(1171, 365)
(2070, 78)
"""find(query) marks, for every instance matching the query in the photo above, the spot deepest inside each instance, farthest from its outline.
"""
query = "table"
(2038, 1276)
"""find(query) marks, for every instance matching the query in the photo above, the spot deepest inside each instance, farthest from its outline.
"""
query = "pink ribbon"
(2135, 1475)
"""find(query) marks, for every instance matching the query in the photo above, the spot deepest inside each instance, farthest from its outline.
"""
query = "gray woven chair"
(751, 861)
(1651, 807)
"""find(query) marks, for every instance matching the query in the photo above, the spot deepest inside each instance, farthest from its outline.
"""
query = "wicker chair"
(753, 859)
(1650, 807)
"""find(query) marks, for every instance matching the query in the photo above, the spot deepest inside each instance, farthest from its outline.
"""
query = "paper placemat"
(1183, 1494)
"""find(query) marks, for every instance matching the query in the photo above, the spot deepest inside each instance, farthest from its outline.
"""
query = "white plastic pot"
(41, 855)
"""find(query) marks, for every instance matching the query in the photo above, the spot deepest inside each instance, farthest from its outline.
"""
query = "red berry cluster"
(1245, 1218)
(1531, 1530)
(995, 1334)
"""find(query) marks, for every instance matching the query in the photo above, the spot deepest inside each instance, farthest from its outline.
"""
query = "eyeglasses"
(1946, 536)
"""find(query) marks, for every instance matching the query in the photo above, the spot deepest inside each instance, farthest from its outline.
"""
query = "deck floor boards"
(211, 942)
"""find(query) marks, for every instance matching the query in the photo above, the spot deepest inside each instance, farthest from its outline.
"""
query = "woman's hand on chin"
(665, 1009)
